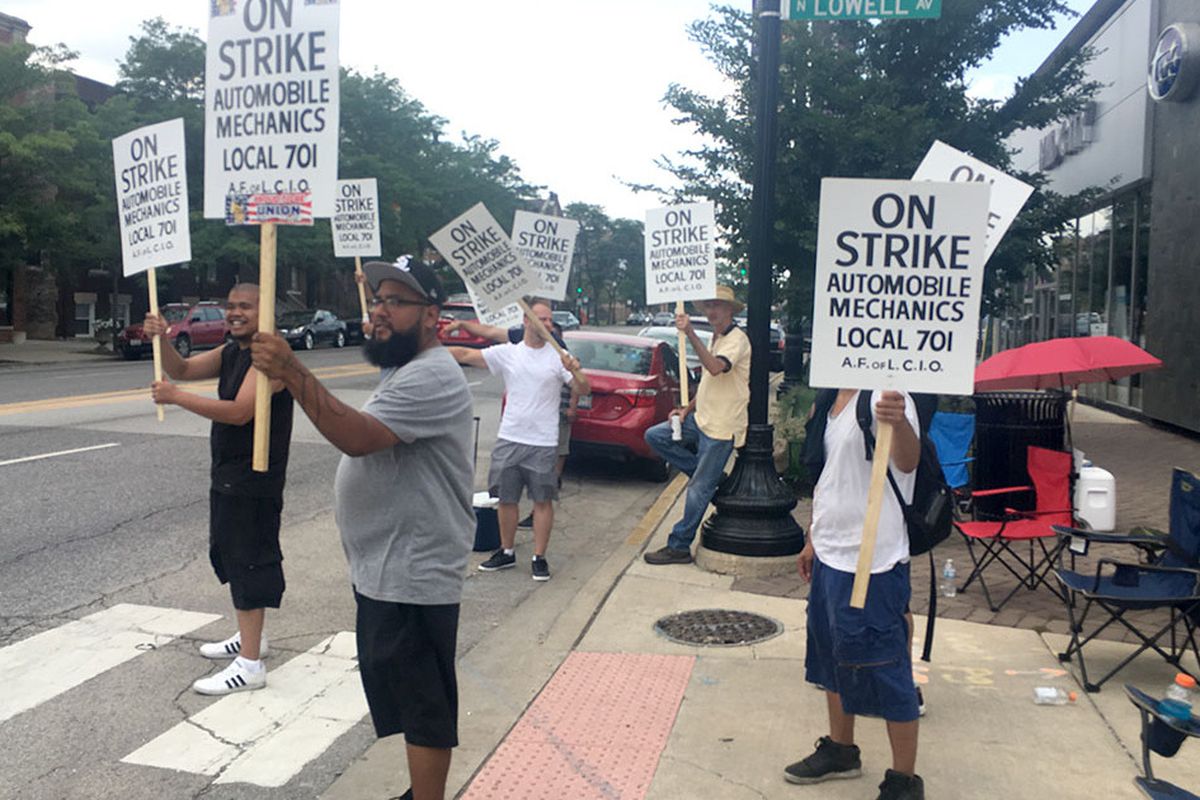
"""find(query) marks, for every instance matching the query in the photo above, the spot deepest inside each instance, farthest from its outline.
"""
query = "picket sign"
(681, 264)
(150, 169)
(492, 269)
(896, 304)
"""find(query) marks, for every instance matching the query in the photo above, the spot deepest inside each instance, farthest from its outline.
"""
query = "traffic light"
(742, 271)
(578, 290)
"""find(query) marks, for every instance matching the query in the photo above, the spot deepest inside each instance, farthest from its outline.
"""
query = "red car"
(635, 384)
(189, 328)
(460, 311)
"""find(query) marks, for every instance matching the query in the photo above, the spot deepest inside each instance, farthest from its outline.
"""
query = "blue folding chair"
(1162, 735)
(952, 435)
(1167, 578)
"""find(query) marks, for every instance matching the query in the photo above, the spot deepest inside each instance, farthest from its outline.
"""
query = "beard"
(394, 351)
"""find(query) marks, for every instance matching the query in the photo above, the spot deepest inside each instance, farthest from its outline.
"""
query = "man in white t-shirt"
(526, 451)
(861, 658)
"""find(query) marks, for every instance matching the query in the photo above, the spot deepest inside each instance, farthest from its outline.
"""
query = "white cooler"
(1096, 497)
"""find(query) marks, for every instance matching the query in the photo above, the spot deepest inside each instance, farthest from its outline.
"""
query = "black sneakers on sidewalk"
(830, 761)
(499, 560)
(898, 786)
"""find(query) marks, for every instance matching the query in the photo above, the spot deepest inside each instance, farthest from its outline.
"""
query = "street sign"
(862, 9)
(899, 284)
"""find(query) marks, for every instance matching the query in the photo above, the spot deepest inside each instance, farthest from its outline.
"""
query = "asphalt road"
(124, 521)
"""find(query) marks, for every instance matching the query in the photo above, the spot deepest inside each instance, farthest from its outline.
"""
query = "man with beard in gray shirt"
(403, 506)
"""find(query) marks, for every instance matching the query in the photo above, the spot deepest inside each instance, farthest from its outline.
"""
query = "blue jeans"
(702, 458)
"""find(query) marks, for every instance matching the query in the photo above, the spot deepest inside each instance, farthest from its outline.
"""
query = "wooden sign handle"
(266, 324)
(156, 342)
(362, 289)
(866, 551)
(541, 329)
(684, 378)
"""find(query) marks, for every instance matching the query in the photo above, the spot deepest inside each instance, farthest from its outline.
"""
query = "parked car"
(635, 384)
(662, 318)
(354, 331)
(460, 311)
(566, 320)
(639, 318)
(308, 328)
(670, 335)
(189, 327)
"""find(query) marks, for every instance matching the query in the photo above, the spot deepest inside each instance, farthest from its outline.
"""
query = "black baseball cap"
(414, 274)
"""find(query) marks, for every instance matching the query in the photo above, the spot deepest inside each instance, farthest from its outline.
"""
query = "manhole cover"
(718, 627)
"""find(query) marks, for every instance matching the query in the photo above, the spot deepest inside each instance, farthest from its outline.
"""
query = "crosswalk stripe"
(267, 736)
(47, 664)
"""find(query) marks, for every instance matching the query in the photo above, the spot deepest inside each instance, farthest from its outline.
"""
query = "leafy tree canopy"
(861, 99)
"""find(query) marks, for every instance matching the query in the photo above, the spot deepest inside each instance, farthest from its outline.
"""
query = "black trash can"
(1006, 423)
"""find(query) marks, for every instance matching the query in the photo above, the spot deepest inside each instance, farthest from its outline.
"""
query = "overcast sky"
(571, 89)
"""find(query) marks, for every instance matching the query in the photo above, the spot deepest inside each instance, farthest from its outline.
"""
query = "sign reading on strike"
(944, 163)
(271, 101)
(481, 253)
(152, 201)
(547, 244)
(681, 261)
(899, 280)
(504, 317)
(356, 219)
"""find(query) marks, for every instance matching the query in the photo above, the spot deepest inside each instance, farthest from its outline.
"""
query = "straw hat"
(725, 294)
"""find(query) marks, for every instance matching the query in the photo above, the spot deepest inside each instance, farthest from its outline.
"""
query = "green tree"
(866, 100)
(608, 263)
(52, 188)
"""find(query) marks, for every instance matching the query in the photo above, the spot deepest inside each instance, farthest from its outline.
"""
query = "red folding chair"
(999, 538)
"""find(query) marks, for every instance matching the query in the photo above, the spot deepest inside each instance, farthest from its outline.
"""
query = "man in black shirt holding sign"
(244, 505)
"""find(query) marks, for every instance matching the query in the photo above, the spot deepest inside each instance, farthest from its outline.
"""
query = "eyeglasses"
(392, 302)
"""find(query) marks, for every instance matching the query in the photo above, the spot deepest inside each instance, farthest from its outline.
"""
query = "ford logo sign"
(1173, 67)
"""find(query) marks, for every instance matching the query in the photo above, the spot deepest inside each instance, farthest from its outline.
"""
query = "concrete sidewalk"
(53, 351)
(745, 712)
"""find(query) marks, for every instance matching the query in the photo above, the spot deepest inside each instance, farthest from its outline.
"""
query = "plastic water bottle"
(1052, 696)
(1179, 698)
(949, 588)
(676, 428)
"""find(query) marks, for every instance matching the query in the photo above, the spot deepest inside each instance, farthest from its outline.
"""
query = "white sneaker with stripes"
(234, 678)
(231, 648)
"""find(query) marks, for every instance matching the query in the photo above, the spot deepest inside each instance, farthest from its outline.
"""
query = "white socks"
(250, 666)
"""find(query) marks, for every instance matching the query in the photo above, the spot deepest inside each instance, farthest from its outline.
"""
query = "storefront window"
(1066, 251)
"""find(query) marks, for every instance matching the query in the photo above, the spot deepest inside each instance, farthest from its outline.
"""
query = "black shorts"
(406, 661)
(243, 546)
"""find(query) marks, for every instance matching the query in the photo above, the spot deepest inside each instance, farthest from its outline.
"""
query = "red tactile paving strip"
(596, 730)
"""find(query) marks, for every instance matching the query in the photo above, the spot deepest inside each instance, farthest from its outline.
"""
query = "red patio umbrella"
(1059, 363)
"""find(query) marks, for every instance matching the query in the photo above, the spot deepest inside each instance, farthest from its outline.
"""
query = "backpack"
(929, 518)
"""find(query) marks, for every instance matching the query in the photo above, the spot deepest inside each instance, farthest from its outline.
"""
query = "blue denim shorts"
(862, 654)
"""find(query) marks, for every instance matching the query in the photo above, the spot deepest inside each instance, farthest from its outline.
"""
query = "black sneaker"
(540, 569)
(527, 522)
(668, 555)
(920, 701)
(499, 560)
(898, 786)
(831, 760)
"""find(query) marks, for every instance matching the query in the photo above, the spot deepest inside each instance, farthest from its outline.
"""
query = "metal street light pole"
(753, 516)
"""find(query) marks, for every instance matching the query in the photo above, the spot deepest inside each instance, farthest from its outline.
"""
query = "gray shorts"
(516, 466)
